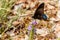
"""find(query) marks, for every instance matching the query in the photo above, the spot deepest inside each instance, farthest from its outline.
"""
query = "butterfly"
(39, 13)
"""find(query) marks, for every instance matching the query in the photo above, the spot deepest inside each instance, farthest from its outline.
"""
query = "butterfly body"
(39, 13)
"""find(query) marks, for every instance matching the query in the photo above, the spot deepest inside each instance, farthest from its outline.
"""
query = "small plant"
(31, 30)
(5, 9)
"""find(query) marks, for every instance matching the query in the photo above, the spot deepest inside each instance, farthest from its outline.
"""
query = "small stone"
(15, 23)
(50, 7)
(42, 32)
(26, 37)
(0, 35)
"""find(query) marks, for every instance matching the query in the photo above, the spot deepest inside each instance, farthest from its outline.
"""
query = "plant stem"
(31, 36)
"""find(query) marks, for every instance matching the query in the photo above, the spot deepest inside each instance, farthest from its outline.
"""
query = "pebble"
(15, 23)
(42, 31)
(58, 34)
(50, 7)
(26, 37)
(0, 35)
(58, 14)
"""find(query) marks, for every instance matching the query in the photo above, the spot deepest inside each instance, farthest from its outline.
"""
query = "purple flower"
(34, 22)
(29, 27)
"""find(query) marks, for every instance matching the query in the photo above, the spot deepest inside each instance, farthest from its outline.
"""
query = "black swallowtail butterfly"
(39, 13)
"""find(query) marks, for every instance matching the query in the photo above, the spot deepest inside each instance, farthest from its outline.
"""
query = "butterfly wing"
(44, 17)
(39, 12)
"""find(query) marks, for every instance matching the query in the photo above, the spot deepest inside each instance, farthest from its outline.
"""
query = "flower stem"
(31, 36)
